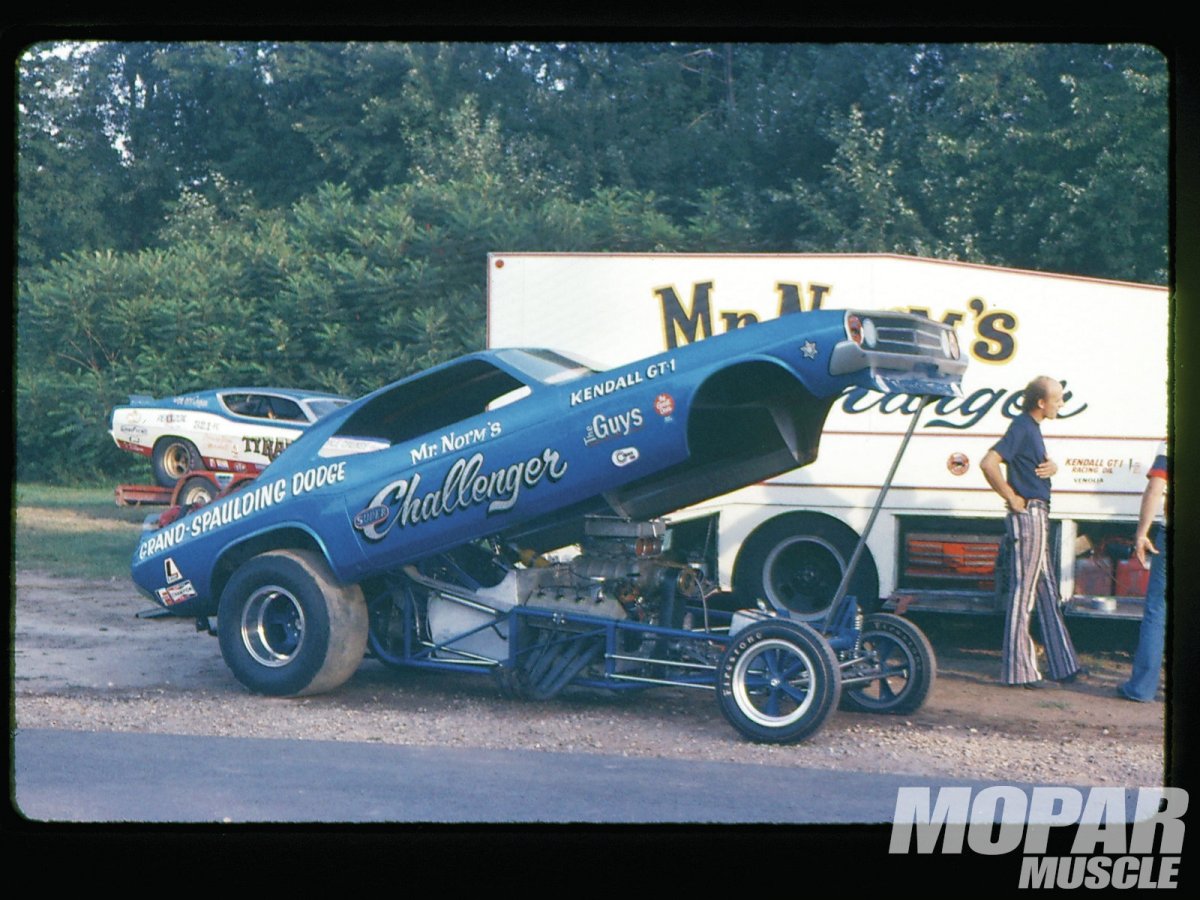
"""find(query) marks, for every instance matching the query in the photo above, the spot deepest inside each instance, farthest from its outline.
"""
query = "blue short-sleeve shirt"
(1023, 450)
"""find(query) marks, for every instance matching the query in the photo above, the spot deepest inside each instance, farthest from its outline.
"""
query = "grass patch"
(75, 532)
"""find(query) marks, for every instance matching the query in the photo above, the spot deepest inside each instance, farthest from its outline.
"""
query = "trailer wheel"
(902, 661)
(196, 490)
(287, 628)
(795, 563)
(172, 458)
(778, 682)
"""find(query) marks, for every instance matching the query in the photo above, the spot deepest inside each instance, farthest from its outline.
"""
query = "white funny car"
(223, 430)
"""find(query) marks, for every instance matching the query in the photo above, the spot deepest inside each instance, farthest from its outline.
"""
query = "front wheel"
(897, 671)
(287, 628)
(778, 682)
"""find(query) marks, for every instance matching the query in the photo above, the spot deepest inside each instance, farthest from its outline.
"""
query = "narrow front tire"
(778, 682)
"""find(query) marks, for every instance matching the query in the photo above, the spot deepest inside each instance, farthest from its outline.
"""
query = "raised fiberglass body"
(522, 444)
(411, 522)
(237, 429)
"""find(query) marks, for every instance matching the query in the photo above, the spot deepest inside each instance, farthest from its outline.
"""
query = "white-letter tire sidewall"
(807, 690)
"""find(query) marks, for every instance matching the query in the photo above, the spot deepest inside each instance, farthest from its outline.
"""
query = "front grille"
(896, 335)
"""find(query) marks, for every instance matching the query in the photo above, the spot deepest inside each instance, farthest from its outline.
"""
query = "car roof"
(289, 393)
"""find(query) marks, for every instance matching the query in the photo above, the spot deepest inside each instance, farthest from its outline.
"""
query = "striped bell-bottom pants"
(1032, 583)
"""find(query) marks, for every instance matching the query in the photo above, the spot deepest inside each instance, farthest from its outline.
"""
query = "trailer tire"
(287, 628)
(905, 662)
(778, 681)
(196, 490)
(795, 563)
(172, 458)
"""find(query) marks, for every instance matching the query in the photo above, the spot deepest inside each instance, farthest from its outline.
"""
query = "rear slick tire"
(286, 628)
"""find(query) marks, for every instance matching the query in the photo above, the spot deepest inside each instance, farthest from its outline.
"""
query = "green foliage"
(318, 215)
(338, 294)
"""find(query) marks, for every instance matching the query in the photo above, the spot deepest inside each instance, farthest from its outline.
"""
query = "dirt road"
(84, 660)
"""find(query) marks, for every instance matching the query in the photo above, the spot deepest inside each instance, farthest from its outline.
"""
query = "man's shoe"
(1078, 675)
(1120, 692)
(1042, 685)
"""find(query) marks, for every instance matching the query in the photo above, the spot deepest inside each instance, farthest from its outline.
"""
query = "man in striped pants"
(1032, 582)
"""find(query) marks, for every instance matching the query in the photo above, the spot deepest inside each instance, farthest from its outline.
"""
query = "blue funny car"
(418, 522)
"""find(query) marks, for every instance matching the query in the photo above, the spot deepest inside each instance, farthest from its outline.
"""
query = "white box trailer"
(935, 541)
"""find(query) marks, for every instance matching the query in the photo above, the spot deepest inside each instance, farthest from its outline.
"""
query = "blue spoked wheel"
(778, 682)
(895, 671)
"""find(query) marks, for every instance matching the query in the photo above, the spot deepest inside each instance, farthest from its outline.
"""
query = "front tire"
(287, 628)
(172, 458)
(778, 682)
(901, 658)
(795, 563)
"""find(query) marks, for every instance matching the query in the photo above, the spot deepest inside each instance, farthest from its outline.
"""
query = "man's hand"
(1016, 504)
(1046, 469)
(1139, 550)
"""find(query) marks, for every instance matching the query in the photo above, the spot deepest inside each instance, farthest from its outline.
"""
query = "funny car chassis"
(776, 679)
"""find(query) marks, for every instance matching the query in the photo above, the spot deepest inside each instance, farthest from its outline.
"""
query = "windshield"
(545, 366)
(320, 408)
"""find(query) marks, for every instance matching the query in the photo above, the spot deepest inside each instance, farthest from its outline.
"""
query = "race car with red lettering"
(222, 430)
(503, 513)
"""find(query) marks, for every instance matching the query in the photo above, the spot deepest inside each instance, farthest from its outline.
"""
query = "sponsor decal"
(266, 446)
(664, 405)
(244, 503)
(624, 456)
(809, 349)
(372, 515)
(171, 571)
(958, 463)
(169, 596)
(631, 378)
(1099, 469)
(465, 485)
(454, 441)
(199, 402)
(603, 427)
(1000, 819)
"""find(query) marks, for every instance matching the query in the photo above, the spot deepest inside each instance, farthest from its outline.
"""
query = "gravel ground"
(85, 661)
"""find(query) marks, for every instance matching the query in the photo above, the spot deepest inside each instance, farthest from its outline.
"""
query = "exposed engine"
(461, 604)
